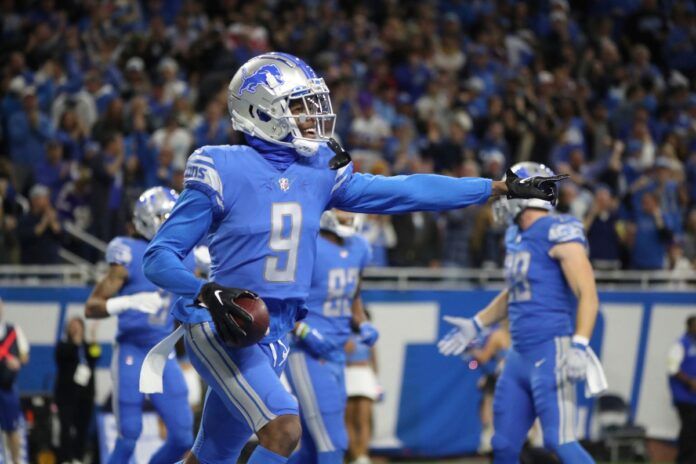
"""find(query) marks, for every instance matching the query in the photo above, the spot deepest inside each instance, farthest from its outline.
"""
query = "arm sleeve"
(675, 358)
(366, 193)
(163, 262)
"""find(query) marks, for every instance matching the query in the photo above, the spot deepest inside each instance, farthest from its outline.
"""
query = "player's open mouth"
(310, 133)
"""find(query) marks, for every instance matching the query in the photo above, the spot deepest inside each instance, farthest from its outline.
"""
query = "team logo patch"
(268, 75)
(343, 253)
(284, 184)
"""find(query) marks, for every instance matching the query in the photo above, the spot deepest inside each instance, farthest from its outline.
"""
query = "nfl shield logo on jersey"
(284, 184)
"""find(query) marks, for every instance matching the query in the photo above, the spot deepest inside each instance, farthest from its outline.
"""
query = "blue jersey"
(541, 305)
(262, 222)
(136, 326)
(334, 286)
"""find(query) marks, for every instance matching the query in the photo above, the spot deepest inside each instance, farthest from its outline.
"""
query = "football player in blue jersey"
(317, 360)
(259, 205)
(143, 320)
(551, 303)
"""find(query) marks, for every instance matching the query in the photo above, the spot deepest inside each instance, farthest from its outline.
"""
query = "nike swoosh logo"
(540, 362)
(217, 295)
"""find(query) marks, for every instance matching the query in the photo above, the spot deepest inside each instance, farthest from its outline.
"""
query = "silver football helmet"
(505, 210)
(341, 223)
(260, 95)
(152, 209)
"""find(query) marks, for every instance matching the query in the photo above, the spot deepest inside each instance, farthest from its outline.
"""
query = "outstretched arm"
(366, 193)
(163, 262)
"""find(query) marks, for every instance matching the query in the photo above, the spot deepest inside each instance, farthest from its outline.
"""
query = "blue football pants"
(532, 386)
(171, 405)
(245, 391)
(320, 389)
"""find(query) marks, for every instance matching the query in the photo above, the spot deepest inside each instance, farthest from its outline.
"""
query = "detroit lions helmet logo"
(268, 75)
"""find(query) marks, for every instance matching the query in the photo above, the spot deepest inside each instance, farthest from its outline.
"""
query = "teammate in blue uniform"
(317, 361)
(259, 205)
(551, 303)
(143, 320)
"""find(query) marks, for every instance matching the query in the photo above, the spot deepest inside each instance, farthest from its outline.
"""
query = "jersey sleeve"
(119, 252)
(367, 193)
(201, 174)
(164, 258)
(566, 231)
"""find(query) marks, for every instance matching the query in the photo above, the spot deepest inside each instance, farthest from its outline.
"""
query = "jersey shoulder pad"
(119, 251)
(203, 174)
(565, 228)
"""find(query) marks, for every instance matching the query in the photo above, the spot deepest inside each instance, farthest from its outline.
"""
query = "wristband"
(302, 330)
(117, 305)
(580, 340)
(478, 324)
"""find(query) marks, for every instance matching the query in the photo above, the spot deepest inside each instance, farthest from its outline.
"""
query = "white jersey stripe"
(309, 408)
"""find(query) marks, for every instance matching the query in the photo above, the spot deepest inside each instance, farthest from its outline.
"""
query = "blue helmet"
(506, 210)
(152, 209)
(259, 98)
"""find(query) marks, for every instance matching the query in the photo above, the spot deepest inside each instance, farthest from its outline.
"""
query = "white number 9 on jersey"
(285, 238)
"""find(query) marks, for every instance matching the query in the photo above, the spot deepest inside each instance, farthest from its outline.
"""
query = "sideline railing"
(389, 278)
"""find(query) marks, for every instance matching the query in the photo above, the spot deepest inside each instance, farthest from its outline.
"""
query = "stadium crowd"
(103, 99)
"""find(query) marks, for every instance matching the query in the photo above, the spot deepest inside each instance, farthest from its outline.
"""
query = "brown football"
(259, 326)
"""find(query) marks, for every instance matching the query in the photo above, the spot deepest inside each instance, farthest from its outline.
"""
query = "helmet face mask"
(506, 210)
(263, 92)
(151, 210)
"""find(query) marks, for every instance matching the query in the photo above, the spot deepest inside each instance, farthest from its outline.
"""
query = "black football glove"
(342, 157)
(544, 188)
(220, 303)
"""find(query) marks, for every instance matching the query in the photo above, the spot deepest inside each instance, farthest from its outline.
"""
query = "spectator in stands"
(690, 237)
(535, 81)
(458, 229)
(368, 131)
(54, 171)
(40, 233)
(648, 235)
(176, 138)
(601, 226)
(14, 352)
(107, 168)
(76, 359)
(113, 120)
(379, 232)
(681, 367)
(214, 129)
(173, 87)
(72, 134)
(28, 131)
(10, 211)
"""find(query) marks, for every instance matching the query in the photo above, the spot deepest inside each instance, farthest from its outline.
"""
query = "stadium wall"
(430, 405)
